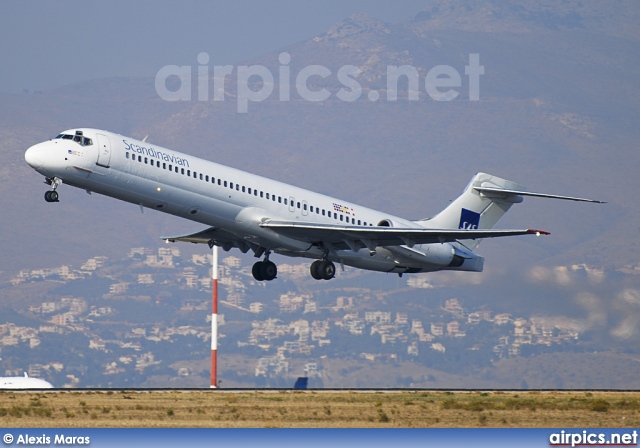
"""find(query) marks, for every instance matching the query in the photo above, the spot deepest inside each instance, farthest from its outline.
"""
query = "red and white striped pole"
(214, 319)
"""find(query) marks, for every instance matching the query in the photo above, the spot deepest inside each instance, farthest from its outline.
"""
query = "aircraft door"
(104, 150)
(292, 204)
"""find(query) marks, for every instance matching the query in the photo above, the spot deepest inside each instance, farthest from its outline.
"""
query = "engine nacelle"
(439, 254)
(395, 223)
(427, 255)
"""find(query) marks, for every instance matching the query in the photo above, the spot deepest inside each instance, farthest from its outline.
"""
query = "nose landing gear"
(52, 195)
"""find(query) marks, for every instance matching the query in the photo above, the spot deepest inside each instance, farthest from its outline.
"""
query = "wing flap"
(212, 236)
(357, 237)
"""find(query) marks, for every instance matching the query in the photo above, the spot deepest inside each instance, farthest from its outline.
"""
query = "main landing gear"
(267, 270)
(264, 270)
(52, 195)
(323, 270)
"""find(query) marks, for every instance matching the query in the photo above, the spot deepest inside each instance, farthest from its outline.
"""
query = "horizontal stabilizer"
(488, 190)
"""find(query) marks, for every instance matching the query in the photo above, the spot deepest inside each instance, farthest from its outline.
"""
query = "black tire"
(268, 270)
(327, 269)
(47, 196)
(256, 270)
(315, 270)
(54, 196)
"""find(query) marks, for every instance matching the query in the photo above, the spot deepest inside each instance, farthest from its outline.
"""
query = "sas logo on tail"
(469, 220)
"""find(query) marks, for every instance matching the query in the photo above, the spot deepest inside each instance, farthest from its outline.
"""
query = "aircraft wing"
(358, 237)
(212, 235)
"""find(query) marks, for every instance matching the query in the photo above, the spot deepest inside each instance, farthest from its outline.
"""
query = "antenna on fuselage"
(144, 140)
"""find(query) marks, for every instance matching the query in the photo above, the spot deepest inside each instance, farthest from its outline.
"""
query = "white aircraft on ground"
(253, 213)
(24, 382)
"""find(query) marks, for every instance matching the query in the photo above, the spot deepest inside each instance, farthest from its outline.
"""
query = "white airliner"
(253, 213)
(24, 382)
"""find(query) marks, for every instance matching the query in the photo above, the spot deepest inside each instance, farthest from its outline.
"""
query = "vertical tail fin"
(476, 210)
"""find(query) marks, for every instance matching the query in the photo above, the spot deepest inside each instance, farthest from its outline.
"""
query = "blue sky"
(49, 44)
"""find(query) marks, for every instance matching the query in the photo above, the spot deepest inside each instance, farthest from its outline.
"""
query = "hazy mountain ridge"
(614, 18)
(557, 112)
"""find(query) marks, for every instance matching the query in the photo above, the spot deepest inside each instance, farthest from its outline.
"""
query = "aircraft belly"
(382, 261)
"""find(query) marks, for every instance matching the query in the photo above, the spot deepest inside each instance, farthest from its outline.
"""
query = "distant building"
(344, 303)
(310, 306)
(453, 306)
(256, 307)
(382, 317)
(145, 279)
(231, 262)
(502, 319)
(453, 328)
(118, 288)
(402, 318)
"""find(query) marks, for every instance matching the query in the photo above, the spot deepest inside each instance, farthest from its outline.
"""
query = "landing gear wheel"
(51, 196)
(323, 270)
(315, 270)
(268, 270)
(256, 270)
(264, 270)
(328, 270)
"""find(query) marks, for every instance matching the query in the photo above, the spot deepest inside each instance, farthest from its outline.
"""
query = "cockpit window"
(81, 140)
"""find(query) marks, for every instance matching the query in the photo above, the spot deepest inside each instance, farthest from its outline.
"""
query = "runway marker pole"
(214, 319)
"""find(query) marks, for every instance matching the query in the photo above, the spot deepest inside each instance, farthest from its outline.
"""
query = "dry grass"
(318, 409)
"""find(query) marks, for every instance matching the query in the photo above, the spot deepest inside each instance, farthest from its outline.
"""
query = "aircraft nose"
(34, 156)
